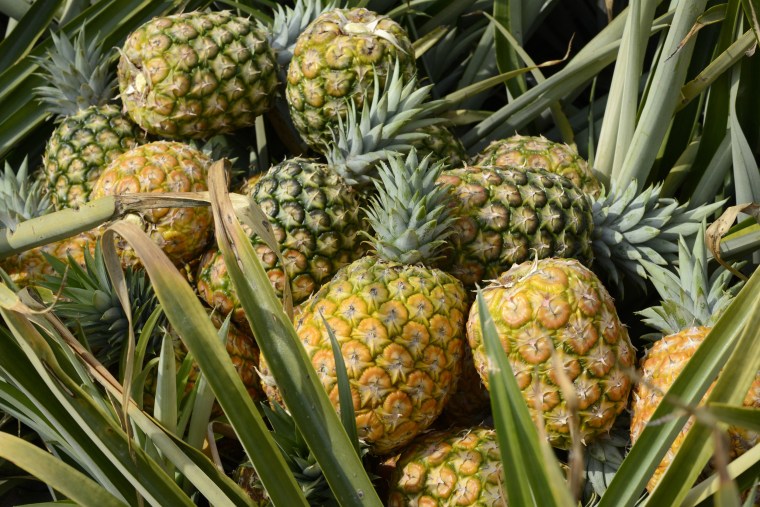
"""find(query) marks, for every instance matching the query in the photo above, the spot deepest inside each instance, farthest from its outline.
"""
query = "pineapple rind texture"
(508, 216)
(558, 306)
(81, 146)
(458, 467)
(162, 166)
(401, 332)
(527, 152)
(660, 367)
(197, 74)
(316, 218)
(336, 58)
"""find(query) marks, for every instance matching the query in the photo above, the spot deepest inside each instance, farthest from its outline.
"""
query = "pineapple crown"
(79, 74)
(289, 23)
(89, 302)
(631, 228)
(20, 197)
(410, 213)
(690, 296)
(390, 123)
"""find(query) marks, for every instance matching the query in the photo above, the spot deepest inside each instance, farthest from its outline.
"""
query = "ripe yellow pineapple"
(163, 166)
(692, 302)
(399, 323)
(459, 467)
(559, 307)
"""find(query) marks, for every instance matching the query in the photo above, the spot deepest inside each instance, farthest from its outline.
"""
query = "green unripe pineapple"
(197, 74)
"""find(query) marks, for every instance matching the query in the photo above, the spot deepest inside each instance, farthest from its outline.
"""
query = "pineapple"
(21, 199)
(162, 166)
(316, 219)
(399, 323)
(559, 307)
(91, 129)
(507, 216)
(334, 63)
(197, 74)
(441, 142)
(537, 151)
(452, 467)
(317, 243)
(692, 302)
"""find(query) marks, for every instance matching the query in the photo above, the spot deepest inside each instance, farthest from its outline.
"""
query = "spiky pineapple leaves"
(301, 389)
(731, 347)
(58, 475)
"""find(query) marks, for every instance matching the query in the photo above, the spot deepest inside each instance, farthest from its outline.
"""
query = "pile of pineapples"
(327, 254)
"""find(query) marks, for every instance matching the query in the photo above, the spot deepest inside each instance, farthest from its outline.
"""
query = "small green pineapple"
(91, 130)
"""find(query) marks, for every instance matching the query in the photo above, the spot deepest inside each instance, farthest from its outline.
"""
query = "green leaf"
(27, 32)
(662, 97)
(689, 388)
(507, 16)
(55, 473)
(189, 319)
(752, 13)
(296, 379)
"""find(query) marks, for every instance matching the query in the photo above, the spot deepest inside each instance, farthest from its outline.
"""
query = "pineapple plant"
(23, 198)
(162, 166)
(460, 466)
(335, 62)
(536, 151)
(315, 218)
(197, 74)
(399, 323)
(87, 302)
(91, 130)
(507, 216)
(314, 208)
(692, 301)
(552, 312)
(652, 119)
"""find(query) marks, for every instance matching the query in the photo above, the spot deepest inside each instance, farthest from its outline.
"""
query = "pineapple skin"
(441, 144)
(660, 367)
(197, 74)
(30, 266)
(458, 467)
(508, 216)
(335, 59)
(527, 152)
(162, 166)
(401, 332)
(558, 306)
(316, 219)
(81, 146)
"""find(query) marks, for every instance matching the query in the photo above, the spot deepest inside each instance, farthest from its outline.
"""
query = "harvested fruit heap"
(437, 293)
